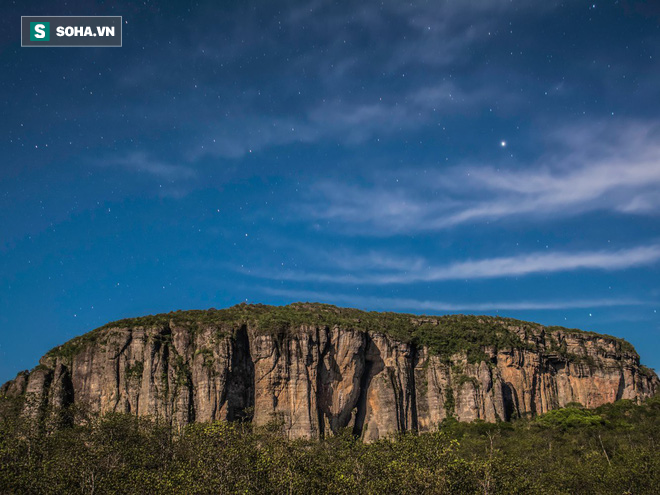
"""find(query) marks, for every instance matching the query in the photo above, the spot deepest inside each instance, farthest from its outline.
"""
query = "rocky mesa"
(316, 368)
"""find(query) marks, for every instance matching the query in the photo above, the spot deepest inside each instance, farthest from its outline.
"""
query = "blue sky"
(484, 156)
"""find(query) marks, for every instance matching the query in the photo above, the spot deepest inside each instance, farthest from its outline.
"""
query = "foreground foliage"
(613, 449)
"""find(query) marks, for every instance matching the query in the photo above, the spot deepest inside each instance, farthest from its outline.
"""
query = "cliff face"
(315, 374)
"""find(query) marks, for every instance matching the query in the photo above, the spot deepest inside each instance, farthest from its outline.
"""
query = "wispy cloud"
(379, 269)
(433, 34)
(141, 162)
(350, 121)
(394, 303)
(601, 168)
(399, 46)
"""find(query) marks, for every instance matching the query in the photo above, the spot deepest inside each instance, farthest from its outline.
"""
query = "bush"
(570, 450)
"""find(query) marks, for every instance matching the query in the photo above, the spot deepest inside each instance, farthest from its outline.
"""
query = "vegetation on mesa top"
(443, 335)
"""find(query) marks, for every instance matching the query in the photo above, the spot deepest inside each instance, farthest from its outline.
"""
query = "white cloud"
(379, 269)
(335, 47)
(142, 163)
(394, 303)
(349, 121)
(610, 168)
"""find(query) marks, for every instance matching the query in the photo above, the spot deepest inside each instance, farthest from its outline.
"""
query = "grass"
(442, 335)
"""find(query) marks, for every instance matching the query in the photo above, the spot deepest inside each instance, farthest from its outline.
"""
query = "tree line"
(609, 450)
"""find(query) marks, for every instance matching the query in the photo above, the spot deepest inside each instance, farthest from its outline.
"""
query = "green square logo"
(40, 31)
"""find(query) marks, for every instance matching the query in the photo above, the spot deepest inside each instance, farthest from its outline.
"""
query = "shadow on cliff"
(373, 365)
(240, 383)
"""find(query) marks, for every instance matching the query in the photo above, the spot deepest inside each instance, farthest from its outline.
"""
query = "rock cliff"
(315, 369)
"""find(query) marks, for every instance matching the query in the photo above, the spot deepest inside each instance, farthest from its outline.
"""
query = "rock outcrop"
(315, 369)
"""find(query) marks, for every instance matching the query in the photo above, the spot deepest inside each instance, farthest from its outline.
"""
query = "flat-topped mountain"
(317, 368)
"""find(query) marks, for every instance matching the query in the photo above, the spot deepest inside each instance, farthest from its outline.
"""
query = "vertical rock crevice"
(241, 379)
(361, 407)
(622, 386)
(322, 339)
(510, 399)
(414, 420)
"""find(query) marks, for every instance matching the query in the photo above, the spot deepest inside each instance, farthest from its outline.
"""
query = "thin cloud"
(386, 40)
(381, 270)
(142, 163)
(429, 305)
(602, 168)
(349, 121)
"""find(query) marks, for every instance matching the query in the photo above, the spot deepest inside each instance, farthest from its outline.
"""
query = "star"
(503, 144)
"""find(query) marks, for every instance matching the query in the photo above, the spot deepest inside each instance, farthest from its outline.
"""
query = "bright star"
(503, 144)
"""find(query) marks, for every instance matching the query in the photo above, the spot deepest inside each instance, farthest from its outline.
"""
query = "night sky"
(486, 156)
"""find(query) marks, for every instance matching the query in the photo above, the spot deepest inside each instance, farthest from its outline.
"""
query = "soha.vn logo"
(85, 31)
(40, 31)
